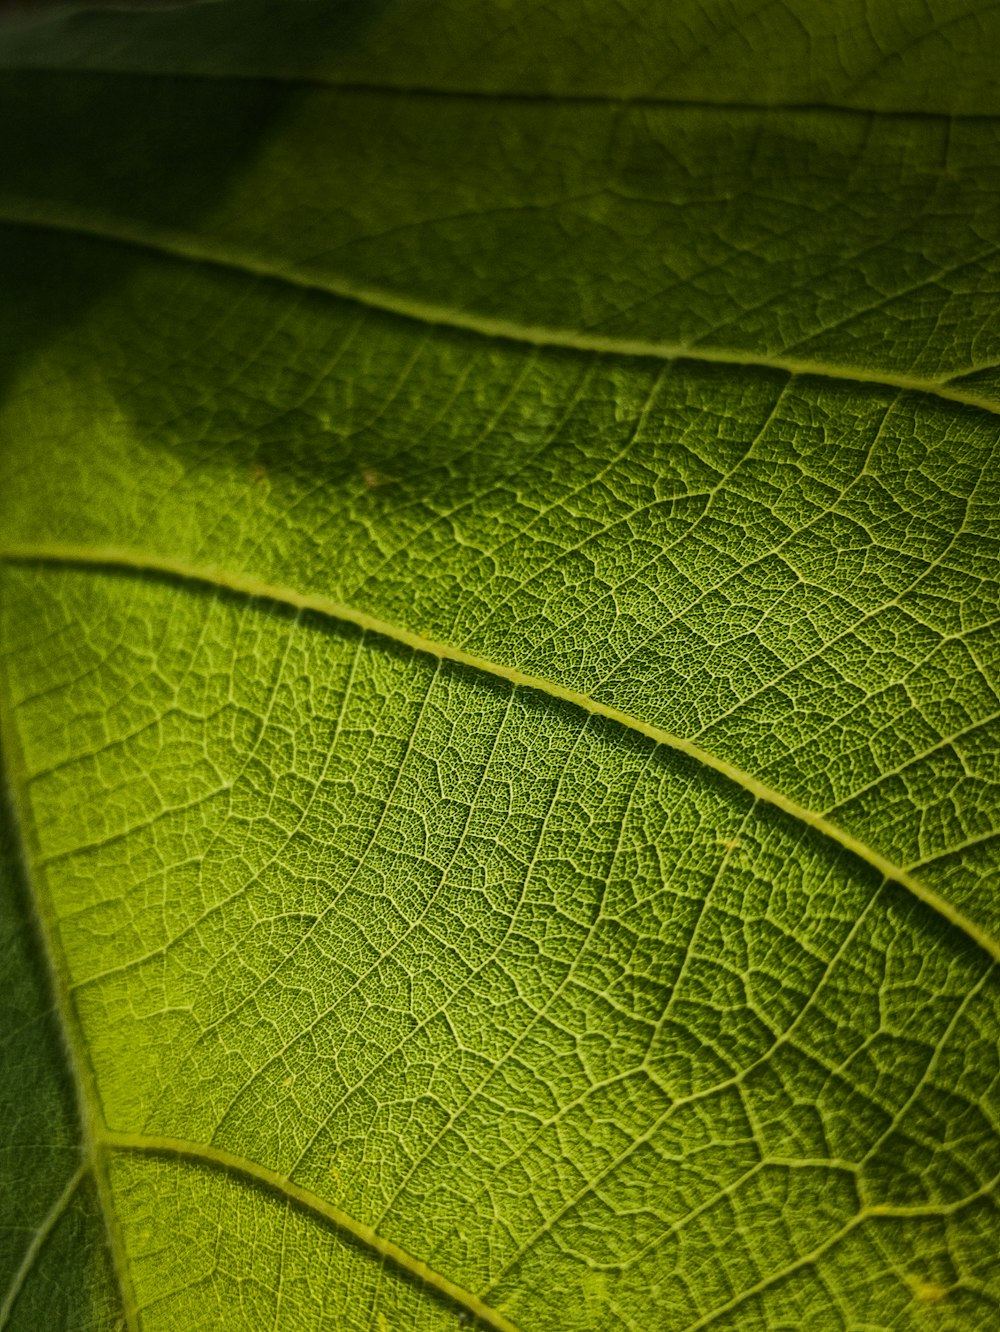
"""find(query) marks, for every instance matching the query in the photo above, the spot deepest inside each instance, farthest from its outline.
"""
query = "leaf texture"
(500, 670)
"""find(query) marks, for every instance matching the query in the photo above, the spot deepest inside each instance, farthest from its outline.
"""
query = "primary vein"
(81, 1073)
(124, 558)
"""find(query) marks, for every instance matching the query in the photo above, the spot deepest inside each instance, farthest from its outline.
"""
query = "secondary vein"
(624, 101)
(198, 249)
(209, 1154)
(127, 559)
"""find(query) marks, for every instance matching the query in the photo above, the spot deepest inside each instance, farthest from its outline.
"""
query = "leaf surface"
(500, 670)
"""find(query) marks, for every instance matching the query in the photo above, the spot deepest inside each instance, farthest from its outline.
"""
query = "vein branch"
(865, 1215)
(39, 1240)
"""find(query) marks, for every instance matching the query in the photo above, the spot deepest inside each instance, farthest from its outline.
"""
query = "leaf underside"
(500, 668)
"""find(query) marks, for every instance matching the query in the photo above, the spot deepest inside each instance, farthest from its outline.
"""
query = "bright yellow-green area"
(251, 1258)
(531, 998)
(499, 668)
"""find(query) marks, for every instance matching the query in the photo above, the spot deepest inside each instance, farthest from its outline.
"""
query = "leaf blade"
(525, 991)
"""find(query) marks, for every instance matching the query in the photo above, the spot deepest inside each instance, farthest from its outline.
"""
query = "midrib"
(81, 1073)
(248, 585)
(189, 247)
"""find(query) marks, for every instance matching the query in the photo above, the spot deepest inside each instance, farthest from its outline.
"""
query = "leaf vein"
(181, 246)
(220, 1157)
(39, 1240)
(136, 561)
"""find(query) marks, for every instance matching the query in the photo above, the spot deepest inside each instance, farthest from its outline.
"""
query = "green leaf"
(500, 667)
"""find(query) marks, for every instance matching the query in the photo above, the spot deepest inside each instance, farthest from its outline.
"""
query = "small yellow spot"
(289, 1080)
(730, 843)
(370, 478)
(927, 1292)
(383, 1323)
